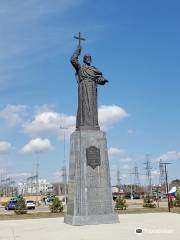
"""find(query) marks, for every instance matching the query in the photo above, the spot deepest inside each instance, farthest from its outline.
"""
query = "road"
(37, 209)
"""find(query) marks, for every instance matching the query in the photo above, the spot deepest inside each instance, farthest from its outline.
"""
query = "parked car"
(30, 204)
(11, 205)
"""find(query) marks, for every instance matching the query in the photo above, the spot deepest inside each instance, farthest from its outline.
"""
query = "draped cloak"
(87, 77)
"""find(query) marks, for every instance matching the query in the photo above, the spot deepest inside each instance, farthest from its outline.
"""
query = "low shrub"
(177, 200)
(20, 206)
(148, 202)
(120, 204)
(56, 206)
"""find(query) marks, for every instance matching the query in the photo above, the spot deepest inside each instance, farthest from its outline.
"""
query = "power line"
(148, 168)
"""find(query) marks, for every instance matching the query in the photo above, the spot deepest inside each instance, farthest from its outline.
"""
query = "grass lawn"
(37, 215)
(34, 215)
(147, 210)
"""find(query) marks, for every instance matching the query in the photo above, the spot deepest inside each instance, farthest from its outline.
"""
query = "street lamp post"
(64, 165)
(167, 187)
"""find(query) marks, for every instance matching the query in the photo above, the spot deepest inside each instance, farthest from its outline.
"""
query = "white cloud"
(43, 108)
(19, 175)
(155, 173)
(13, 114)
(125, 167)
(126, 159)
(58, 175)
(120, 154)
(169, 156)
(37, 145)
(49, 122)
(110, 115)
(143, 177)
(5, 147)
(116, 152)
(125, 176)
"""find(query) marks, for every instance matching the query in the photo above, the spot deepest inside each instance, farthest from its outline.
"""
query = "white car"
(30, 204)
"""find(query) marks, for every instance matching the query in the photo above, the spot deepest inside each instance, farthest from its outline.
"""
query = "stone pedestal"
(89, 185)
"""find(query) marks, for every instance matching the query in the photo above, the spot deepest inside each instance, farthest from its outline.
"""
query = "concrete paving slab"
(155, 226)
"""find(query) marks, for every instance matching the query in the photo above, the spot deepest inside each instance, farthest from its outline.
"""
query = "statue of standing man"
(87, 77)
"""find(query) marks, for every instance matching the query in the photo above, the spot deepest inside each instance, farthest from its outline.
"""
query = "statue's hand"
(79, 49)
(101, 81)
(104, 82)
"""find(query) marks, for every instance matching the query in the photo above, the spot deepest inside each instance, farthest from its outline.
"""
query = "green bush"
(177, 201)
(20, 206)
(148, 202)
(56, 206)
(120, 204)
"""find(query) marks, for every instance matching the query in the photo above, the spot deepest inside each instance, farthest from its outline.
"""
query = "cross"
(79, 38)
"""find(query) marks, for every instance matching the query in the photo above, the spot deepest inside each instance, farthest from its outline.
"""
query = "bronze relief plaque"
(93, 157)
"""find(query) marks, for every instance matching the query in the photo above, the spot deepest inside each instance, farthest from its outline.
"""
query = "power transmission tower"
(148, 168)
(2, 183)
(1, 189)
(136, 177)
(135, 173)
(162, 177)
(37, 178)
(118, 179)
(64, 169)
(5, 183)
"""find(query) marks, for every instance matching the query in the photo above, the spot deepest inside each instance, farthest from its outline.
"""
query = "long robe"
(87, 77)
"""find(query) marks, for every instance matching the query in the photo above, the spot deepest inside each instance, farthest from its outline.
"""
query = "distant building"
(115, 189)
(31, 187)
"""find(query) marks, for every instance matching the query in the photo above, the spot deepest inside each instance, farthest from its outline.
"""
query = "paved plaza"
(155, 226)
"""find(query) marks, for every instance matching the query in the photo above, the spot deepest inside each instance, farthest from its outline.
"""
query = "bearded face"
(87, 59)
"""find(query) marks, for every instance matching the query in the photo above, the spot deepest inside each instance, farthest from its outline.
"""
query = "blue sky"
(136, 46)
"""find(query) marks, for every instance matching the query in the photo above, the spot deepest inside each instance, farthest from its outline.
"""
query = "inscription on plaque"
(93, 157)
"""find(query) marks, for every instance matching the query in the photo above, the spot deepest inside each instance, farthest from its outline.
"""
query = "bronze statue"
(87, 77)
